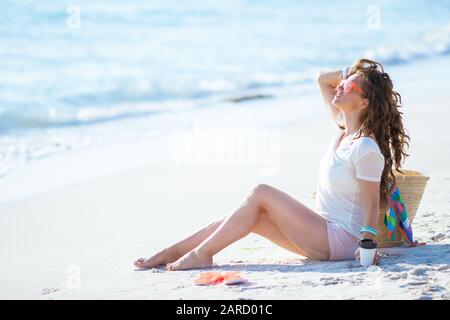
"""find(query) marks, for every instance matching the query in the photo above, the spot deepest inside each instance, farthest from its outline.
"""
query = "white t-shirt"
(339, 197)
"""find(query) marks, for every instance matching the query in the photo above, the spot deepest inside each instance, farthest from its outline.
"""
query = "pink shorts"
(342, 244)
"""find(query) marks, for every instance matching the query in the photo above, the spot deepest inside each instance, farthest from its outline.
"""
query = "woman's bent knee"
(262, 188)
(260, 191)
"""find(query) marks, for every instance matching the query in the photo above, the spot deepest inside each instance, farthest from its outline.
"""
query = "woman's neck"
(351, 123)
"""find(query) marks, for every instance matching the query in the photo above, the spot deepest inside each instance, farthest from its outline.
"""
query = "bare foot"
(191, 260)
(161, 258)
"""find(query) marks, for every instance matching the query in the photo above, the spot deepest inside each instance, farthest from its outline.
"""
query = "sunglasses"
(349, 86)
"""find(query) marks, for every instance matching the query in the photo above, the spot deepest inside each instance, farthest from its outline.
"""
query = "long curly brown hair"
(383, 118)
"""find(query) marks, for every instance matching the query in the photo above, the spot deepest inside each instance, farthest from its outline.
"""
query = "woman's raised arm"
(327, 83)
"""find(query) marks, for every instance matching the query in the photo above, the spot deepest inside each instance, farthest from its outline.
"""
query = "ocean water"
(77, 74)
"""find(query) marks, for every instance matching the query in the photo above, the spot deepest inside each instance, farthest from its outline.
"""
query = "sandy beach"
(79, 242)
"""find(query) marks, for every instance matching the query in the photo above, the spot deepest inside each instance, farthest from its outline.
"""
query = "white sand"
(80, 242)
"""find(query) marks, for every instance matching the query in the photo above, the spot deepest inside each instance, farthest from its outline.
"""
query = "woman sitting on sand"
(354, 174)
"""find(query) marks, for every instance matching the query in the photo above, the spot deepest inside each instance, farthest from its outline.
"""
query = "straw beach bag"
(412, 186)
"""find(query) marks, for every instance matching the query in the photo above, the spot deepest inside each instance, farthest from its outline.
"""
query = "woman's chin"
(337, 101)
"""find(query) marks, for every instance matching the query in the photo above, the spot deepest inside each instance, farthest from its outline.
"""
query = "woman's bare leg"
(302, 227)
(264, 227)
(177, 250)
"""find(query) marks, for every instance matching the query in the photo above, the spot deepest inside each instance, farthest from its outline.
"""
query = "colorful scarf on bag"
(397, 215)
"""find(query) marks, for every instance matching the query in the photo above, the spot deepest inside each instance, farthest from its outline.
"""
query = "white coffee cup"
(367, 250)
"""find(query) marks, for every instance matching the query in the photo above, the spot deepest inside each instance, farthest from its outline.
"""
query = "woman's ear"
(364, 103)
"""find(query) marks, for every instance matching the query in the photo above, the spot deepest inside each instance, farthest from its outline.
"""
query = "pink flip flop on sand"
(233, 278)
(217, 277)
(208, 278)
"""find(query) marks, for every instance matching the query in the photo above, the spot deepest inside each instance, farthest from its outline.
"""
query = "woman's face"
(348, 95)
